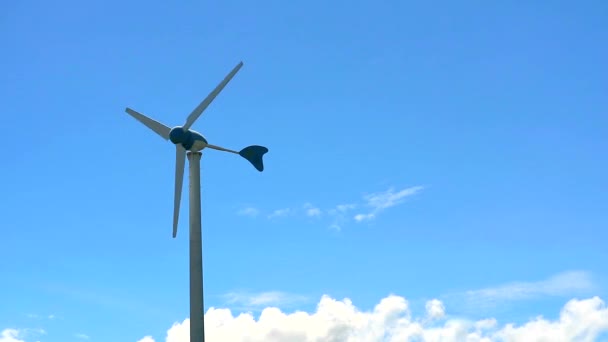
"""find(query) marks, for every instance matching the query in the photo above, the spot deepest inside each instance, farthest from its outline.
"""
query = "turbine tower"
(190, 143)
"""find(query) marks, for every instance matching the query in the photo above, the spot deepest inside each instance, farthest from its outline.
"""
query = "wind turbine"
(190, 143)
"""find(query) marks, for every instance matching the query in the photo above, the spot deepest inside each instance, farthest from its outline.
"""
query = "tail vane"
(254, 154)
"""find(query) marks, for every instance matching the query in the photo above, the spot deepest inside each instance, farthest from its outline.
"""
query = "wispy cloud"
(338, 215)
(37, 316)
(311, 210)
(341, 214)
(345, 207)
(280, 213)
(307, 209)
(82, 336)
(383, 200)
(249, 211)
(562, 284)
(314, 212)
(363, 217)
(248, 301)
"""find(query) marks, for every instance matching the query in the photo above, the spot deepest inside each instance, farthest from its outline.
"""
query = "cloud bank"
(391, 320)
(20, 335)
(10, 335)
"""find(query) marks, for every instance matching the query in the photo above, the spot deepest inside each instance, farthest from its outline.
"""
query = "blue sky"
(475, 133)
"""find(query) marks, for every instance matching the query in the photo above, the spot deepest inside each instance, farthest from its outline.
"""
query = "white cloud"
(383, 200)
(580, 320)
(280, 213)
(150, 339)
(391, 320)
(249, 211)
(10, 335)
(82, 336)
(562, 284)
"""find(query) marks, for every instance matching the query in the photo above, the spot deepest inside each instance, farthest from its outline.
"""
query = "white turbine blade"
(180, 161)
(219, 148)
(201, 107)
(154, 125)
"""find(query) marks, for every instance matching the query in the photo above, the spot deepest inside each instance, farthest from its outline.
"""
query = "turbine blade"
(154, 125)
(201, 107)
(180, 161)
(219, 148)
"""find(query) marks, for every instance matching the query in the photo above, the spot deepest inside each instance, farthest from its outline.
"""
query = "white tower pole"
(197, 325)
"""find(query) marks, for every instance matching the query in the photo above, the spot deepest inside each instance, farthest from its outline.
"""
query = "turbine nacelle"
(189, 139)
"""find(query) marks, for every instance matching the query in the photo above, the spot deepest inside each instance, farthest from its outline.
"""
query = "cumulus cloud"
(383, 200)
(20, 335)
(391, 320)
(435, 309)
(580, 320)
(150, 339)
(10, 335)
